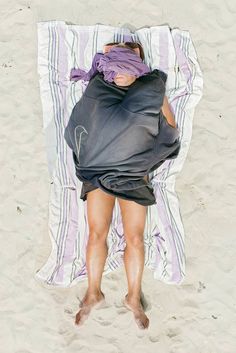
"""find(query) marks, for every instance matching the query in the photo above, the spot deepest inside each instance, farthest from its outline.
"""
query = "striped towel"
(61, 47)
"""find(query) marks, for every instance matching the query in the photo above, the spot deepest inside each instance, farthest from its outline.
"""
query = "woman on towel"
(100, 204)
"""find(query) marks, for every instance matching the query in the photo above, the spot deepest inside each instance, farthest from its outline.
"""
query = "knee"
(98, 235)
(134, 239)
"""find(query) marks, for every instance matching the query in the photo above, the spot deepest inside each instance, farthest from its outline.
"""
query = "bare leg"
(99, 209)
(134, 218)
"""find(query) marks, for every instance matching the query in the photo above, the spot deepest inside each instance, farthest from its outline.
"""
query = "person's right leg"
(99, 210)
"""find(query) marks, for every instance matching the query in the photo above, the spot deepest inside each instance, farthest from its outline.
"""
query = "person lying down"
(122, 128)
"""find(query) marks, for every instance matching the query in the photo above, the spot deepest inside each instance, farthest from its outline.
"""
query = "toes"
(82, 315)
(78, 319)
(147, 323)
(140, 324)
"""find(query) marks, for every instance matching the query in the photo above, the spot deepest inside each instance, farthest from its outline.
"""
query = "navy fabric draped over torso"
(119, 134)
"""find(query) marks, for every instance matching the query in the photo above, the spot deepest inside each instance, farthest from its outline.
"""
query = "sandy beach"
(197, 316)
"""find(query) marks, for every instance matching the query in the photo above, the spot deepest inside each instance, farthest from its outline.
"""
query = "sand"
(198, 316)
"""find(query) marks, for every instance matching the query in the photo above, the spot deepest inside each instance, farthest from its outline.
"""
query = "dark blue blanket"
(119, 134)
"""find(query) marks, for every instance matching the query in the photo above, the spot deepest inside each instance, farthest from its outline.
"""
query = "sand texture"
(196, 317)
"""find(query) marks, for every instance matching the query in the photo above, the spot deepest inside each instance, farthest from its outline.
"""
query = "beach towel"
(62, 47)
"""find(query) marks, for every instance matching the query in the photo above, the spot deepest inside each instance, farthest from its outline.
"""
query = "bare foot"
(88, 297)
(88, 302)
(139, 315)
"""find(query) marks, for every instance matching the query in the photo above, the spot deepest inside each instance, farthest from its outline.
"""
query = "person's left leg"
(133, 219)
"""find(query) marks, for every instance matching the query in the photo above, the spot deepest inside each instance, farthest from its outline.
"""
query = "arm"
(167, 112)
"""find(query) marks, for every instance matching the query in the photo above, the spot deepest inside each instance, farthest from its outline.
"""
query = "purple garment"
(117, 60)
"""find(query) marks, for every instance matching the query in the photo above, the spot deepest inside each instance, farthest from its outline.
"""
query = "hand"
(167, 112)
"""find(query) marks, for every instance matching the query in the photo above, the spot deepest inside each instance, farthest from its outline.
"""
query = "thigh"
(133, 218)
(99, 210)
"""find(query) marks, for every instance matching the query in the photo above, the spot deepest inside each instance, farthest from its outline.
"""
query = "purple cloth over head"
(117, 60)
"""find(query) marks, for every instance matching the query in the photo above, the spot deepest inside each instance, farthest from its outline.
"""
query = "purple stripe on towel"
(69, 205)
(164, 51)
(169, 233)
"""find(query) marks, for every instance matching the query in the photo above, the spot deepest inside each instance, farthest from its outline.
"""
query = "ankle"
(94, 292)
(133, 297)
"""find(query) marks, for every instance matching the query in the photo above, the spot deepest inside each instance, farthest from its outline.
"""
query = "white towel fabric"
(61, 47)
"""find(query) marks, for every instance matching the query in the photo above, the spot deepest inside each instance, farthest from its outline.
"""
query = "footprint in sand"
(103, 322)
(173, 332)
(121, 311)
(154, 339)
(68, 311)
